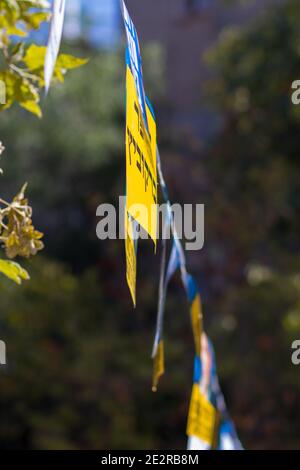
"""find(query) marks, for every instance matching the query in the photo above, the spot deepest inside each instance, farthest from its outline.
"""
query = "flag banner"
(209, 425)
(161, 300)
(203, 419)
(134, 59)
(158, 365)
(141, 178)
(130, 251)
(53, 45)
(206, 378)
(196, 319)
(228, 439)
(177, 260)
(173, 264)
(163, 285)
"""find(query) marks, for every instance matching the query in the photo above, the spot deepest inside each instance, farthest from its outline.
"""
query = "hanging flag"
(196, 319)
(203, 419)
(209, 425)
(158, 346)
(134, 59)
(228, 438)
(176, 260)
(158, 364)
(53, 45)
(206, 378)
(203, 430)
(130, 251)
(141, 179)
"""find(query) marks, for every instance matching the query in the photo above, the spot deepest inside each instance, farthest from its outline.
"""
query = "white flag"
(56, 27)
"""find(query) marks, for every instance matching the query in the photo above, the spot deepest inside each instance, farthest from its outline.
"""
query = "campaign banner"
(203, 419)
(141, 177)
(134, 59)
(130, 251)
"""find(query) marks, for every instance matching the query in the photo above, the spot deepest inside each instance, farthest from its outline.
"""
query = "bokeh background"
(78, 371)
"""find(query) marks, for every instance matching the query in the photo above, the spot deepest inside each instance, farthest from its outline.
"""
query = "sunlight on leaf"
(13, 271)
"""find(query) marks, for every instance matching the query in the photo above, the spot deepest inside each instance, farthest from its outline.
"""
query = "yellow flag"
(158, 365)
(196, 318)
(141, 177)
(130, 257)
(203, 417)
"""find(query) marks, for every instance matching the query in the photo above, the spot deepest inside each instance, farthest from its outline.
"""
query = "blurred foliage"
(22, 65)
(18, 235)
(21, 78)
(253, 219)
(79, 368)
(78, 372)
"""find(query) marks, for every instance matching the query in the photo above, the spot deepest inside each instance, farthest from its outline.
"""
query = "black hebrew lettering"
(131, 141)
(139, 117)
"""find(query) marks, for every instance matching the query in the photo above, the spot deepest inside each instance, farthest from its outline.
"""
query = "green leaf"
(33, 107)
(66, 61)
(34, 20)
(13, 271)
(21, 90)
(15, 31)
(34, 57)
(9, 79)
